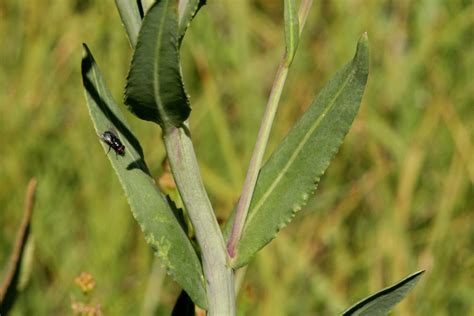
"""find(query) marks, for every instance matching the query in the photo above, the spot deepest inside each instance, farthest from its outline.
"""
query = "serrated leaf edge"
(305, 195)
(148, 235)
(162, 118)
(238, 262)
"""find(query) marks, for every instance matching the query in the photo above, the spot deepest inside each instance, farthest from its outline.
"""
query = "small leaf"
(155, 90)
(149, 207)
(292, 30)
(382, 302)
(291, 174)
(187, 10)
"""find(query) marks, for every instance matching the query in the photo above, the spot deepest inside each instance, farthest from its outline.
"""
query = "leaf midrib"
(299, 147)
(156, 88)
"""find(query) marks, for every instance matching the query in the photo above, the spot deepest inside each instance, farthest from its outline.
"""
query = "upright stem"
(262, 141)
(219, 276)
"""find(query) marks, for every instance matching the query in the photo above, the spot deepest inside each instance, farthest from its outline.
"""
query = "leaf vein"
(299, 148)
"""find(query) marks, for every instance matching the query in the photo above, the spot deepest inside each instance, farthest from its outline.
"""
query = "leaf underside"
(291, 174)
(155, 90)
(382, 302)
(149, 206)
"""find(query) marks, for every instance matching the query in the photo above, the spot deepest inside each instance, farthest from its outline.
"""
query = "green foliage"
(291, 174)
(382, 302)
(150, 208)
(154, 90)
(399, 187)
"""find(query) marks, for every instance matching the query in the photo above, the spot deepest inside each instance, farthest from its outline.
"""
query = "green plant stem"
(219, 276)
(262, 141)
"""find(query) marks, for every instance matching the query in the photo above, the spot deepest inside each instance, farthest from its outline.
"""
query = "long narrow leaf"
(149, 207)
(130, 15)
(291, 174)
(155, 90)
(187, 9)
(382, 302)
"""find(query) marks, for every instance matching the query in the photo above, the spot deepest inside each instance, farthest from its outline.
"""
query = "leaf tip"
(363, 43)
(364, 37)
(87, 61)
(86, 52)
(362, 53)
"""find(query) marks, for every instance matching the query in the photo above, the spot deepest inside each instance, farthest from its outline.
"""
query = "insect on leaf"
(149, 206)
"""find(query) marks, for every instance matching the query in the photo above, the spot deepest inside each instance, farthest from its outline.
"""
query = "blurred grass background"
(397, 198)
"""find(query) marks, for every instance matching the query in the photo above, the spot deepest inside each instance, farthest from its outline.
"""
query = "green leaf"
(149, 206)
(292, 30)
(130, 15)
(187, 10)
(383, 301)
(155, 90)
(291, 174)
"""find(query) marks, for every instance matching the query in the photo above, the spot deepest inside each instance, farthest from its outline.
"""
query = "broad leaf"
(187, 10)
(292, 30)
(291, 174)
(149, 206)
(155, 90)
(381, 303)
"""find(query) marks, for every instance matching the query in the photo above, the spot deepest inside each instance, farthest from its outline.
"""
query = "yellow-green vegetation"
(397, 198)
